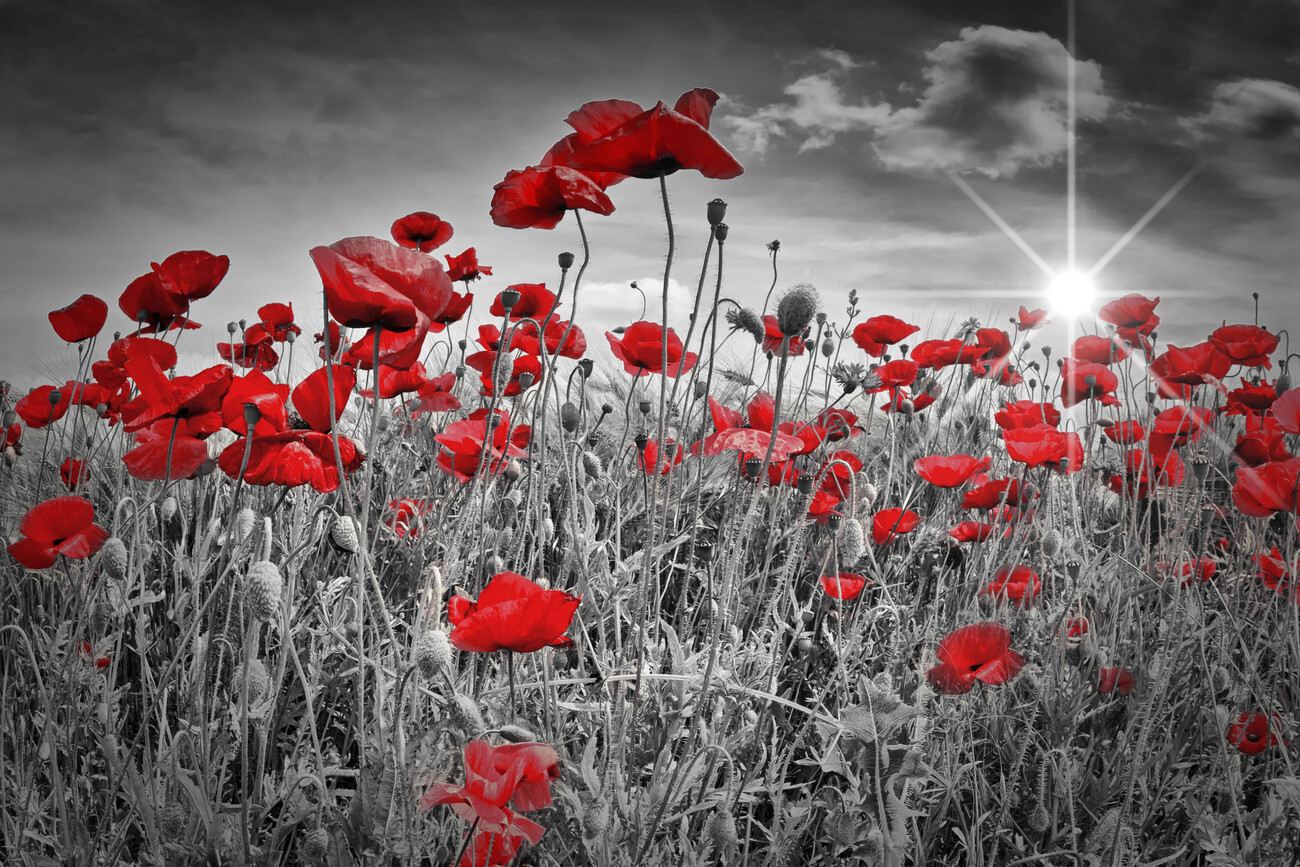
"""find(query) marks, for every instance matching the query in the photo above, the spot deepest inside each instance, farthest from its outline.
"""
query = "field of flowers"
(872, 596)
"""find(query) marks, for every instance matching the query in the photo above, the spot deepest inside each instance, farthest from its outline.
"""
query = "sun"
(1071, 293)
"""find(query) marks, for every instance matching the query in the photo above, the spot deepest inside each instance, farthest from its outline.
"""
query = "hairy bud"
(796, 309)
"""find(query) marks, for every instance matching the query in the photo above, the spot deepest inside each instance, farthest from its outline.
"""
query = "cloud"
(1251, 108)
(818, 111)
(996, 102)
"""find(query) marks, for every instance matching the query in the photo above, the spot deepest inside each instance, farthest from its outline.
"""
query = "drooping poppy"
(1087, 380)
(534, 302)
(990, 495)
(950, 471)
(1019, 584)
(619, 136)
(468, 449)
(1178, 370)
(435, 395)
(406, 516)
(641, 350)
(512, 613)
(651, 462)
(845, 586)
(155, 443)
(421, 231)
(70, 472)
(1027, 413)
(1260, 491)
(889, 524)
(61, 525)
(878, 332)
(80, 320)
(541, 764)
(1254, 732)
(980, 651)
(538, 197)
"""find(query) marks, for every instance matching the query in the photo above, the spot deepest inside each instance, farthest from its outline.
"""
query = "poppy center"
(975, 666)
(1252, 737)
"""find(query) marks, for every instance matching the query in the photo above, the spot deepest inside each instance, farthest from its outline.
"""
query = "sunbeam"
(1146, 218)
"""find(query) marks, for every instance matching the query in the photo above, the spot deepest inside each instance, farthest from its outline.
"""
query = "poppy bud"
(805, 483)
(460, 371)
(461, 344)
(701, 389)
(569, 417)
(1033, 383)
(796, 309)
(586, 366)
(704, 550)
(432, 653)
(290, 337)
(142, 316)
(828, 349)
(9, 418)
(716, 211)
(592, 465)
(721, 231)
(55, 396)
(1047, 351)
(11, 456)
(565, 260)
(804, 644)
(1073, 567)
(1200, 467)
(906, 406)
(232, 327)
(1090, 380)
(644, 406)
(592, 439)
(641, 442)
(252, 415)
(525, 380)
(606, 409)
(513, 471)
(509, 298)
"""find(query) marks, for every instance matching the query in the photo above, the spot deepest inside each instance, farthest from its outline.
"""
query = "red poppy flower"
(512, 613)
(62, 525)
(844, 585)
(1031, 319)
(1247, 345)
(1133, 316)
(992, 494)
(641, 350)
(148, 460)
(899, 372)
(889, 524)
(1286, 409)
(1177, 370)
(70, 471)
(1086, 380)
(972, 531)
(524, 338)
(1035, 446)
(463, 444)
(1027, 413)
(80, 320)
(1077, 627)
(370, 282)
(1165, 466)
(277, 320)
(1279, 575)
(650, 461)
(486, 793)
(618, 136)
(38, 410)
(1126, 432)
(541, 764)
(539, 196)
(838, 424)
(938, 354)
(822, 507)
(184, 397)
(1261, 491)
(406, 516)
(881, 331)
(1254, 732)
(1098, 349)
(1180, 425)
(950, 471)
(435, 395)
(311, 397)
(160, 300)
(486, 364)
(1251, 399)
(980, 651)
(772, 338)
(395, 381)
(111, 373)
(998, 344)
(1262, 444)
(901, 401)
(466, 268)
(1115, 679)
(535, 302)
(453, 312)
(750, 442)
(255, 356)
(421, 231)
(269, 397)
(1019, 584)
(1191, 571)
(558, 155)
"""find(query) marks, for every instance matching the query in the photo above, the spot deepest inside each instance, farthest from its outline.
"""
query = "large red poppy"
(62, 525)
(1042, 445)
(1178, 369)
(42, 406)
(148, 461)
(184, 397)
(899, 372)
(524, 338)
(539, 196)
(371, 282)
(160, 300)
(1260, 491)
(1133, 316)
(463, 453)
(1247, 345)
(641, 350)
(879, 332)
(80, 320)
(111, 373)
(619, 136)
(950, 471)
(421, 231)
(1087, 380)
(512, 613)
(1262, 444)
(980, 651)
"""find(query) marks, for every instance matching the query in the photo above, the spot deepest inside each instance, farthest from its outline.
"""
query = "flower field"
(802, 584)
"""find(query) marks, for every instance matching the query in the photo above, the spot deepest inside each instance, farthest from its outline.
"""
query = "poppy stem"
(510, 674)
(465, 845)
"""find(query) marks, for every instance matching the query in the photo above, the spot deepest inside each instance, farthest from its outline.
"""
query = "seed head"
(721, 831)
(344, 533)
(796, 309)
(569, 417)
(263, 587)
(432, 653)
(744, 318)
(716, 211)
(565, 260)
(852, 540)
(113, 558)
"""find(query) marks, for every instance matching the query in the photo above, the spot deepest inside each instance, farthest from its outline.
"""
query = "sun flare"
(1071, 293)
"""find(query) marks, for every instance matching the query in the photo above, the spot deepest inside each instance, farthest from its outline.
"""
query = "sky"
(132, 130)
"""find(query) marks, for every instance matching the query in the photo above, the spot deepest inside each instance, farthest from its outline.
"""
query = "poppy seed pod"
(805, 483)
(701, 389)
(55, 396)
(716, 211)
(569, 417)
(460, 371)
(586, 366)
(833, 520)
(752, 467)
(796, 309)
(509, 298)
(828, 349)
(252, 415)
(566, 260)
(721, 231)
(644, 407)
(232, 326)
(704, 550)
(641, 441)
(526, 380)
(1283, 381)
(606, 409)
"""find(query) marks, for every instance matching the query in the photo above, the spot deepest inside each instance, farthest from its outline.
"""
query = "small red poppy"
(1027, 413)
(538, 197)
(1031, 319)
(535, 302)
(844, 585)
(463, 453)
(1019, 584)
(980, 651)
(1254, 732)
(641, 350)
(950, 471)
(878, 332)
(889, 524)
(466, 268)
(972, 531)
(1115, 679)
(421, 231)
